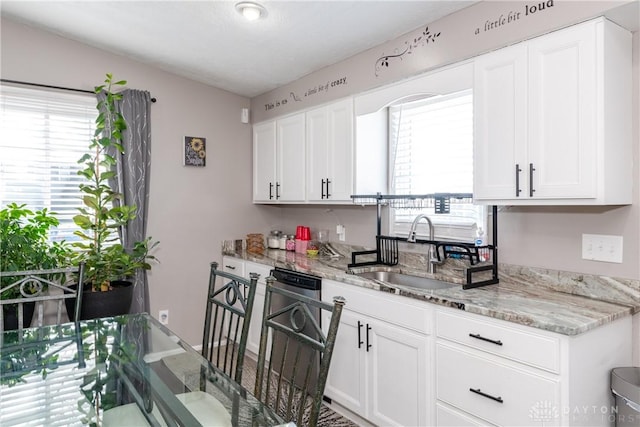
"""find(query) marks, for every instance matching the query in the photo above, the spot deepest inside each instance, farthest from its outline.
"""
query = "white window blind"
(44, 133)
(431, 151)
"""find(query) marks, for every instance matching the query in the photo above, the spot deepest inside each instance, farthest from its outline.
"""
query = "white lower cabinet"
(233, 266)
(379, 368)
(405, 362)
(244, 269)
(492, 372)
(255, 327)
(446, 416)
(494, 390)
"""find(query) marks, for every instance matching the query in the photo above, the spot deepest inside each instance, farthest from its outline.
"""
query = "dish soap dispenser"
(481, 241)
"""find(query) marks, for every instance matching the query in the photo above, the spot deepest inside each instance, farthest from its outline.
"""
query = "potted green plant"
(25, 245)
(108, 264)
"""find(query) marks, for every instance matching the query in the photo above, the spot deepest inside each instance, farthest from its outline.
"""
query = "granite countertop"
(515, 299)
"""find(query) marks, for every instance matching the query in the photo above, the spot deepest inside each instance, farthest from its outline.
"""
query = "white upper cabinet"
(553, 119)
(500, 106)
(330, 152)
(264, 161)
(279, 160)
(290, 162)
(309, 157)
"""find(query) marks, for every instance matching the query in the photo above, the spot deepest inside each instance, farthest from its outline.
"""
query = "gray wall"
(191, 209)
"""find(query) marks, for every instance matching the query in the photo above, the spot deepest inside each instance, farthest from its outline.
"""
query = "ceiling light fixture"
(251, 11)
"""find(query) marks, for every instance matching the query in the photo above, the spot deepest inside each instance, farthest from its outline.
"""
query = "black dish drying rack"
(387, 252)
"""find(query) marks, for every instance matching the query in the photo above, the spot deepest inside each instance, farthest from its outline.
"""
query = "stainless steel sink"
(405, 280)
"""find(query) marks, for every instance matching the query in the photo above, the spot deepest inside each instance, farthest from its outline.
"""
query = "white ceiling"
(208, 41)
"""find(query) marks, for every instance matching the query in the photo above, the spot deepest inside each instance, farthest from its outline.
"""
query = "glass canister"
(255, 243)
(273, 241)
(282, 245)
(291, 243)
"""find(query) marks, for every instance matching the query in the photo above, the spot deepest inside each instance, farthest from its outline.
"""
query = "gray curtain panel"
(133, 172)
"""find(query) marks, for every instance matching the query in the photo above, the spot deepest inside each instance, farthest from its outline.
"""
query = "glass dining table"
(120, 371)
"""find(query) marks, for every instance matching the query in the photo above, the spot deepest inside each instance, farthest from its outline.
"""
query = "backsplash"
(611, 289)
(616, 290)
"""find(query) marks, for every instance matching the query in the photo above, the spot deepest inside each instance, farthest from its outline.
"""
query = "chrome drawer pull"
(480, 337)
(488, 396)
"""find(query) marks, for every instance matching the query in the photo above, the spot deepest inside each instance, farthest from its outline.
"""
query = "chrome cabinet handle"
(518, 170)
(531, 169)
(480, 337)
(488, 396)
(360, 342)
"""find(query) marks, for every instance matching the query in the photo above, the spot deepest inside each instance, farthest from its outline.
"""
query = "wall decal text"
(513, 16)
(321, 88)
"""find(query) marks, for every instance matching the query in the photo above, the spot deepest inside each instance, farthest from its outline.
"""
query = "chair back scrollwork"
(38, 288)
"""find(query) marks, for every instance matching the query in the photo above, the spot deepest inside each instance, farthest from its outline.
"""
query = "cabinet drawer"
(394, 309)
(512, 396)
(449, 417)
(233, 266)
(494, 337)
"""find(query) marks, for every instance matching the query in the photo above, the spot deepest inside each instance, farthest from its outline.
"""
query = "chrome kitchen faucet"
(433, 260)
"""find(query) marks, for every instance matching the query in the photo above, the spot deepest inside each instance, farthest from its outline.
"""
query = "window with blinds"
(44, 133)
(431, 151)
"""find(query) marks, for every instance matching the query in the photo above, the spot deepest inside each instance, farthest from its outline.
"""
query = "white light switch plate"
(599, 247)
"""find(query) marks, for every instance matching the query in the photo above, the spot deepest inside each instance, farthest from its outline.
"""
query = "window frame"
(64, 123)
(446, 227)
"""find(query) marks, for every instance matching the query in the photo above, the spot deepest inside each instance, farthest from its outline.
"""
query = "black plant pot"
(115, 302)
(10, 315)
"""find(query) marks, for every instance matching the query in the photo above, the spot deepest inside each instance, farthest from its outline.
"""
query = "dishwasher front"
(307, 285)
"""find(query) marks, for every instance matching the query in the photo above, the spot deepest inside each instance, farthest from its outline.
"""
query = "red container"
(306, 233)
(299, 232)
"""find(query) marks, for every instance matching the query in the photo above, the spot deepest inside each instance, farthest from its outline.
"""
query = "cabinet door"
(264, 162)
(500, 133)
(291, 159)
(346, 381)
(562, 113)
(255, 327)
(318, 154)
(330, 137)
(398, 361)
(341, 146)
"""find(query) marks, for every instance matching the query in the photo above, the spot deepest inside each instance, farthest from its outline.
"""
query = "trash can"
(625, 386)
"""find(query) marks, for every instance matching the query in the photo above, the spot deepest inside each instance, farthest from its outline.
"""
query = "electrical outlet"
(163, 317)
(340, 231)
(598, 247)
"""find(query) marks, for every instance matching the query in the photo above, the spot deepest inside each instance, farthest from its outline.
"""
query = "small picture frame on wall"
(194, 151)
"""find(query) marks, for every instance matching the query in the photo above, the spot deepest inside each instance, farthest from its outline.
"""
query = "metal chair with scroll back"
(31, 285)
(295, 353)
(227, 318)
